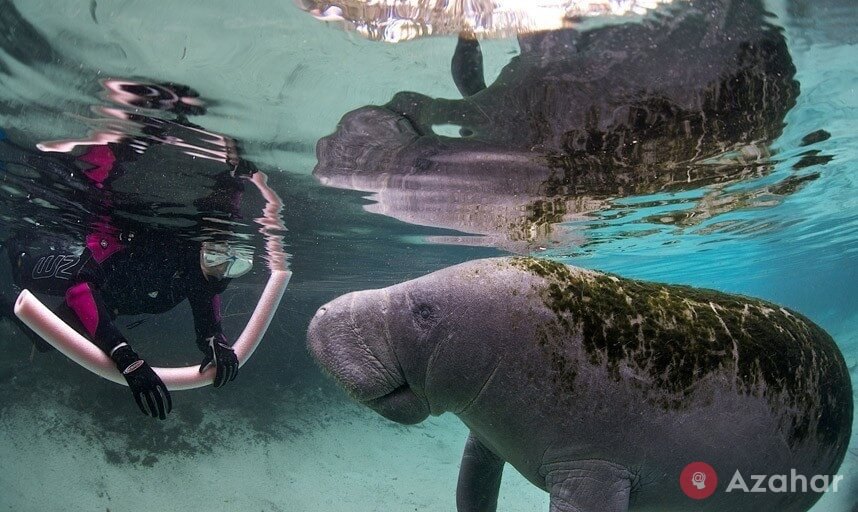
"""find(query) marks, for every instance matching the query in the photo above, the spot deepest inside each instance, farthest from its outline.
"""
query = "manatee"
(689, 98)
(597, 389)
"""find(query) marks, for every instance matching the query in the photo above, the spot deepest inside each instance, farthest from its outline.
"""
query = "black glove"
(221, 355)
(144, 383)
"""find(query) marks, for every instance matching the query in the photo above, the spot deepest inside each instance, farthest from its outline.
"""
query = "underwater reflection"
(402, 20)
(143, 164)
(688, 100)
(146, 180)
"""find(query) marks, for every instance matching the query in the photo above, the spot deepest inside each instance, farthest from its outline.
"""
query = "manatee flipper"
(479, 478)
(589, 486)
(467, 67)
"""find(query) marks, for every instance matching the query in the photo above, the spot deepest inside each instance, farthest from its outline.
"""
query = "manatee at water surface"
(596, 388)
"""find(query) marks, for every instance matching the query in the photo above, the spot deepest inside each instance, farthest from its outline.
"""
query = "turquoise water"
(283, 437)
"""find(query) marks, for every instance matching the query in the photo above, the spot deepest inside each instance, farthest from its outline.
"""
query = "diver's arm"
(204, 298)
(206, 308)
(85, 300)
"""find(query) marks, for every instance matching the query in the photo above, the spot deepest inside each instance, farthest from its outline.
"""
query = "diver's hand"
(220, 354)
(145, 384)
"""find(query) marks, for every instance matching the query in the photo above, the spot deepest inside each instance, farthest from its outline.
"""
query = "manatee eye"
(425, 312)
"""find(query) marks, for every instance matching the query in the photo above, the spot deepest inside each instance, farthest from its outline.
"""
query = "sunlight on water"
(402, 20)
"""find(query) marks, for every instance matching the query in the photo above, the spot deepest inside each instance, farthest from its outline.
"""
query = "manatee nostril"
(321, 312)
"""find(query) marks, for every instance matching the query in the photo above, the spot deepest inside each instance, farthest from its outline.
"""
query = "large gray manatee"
(597, 389)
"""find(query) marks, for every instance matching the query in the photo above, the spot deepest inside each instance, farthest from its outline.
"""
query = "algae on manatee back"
(673, 336)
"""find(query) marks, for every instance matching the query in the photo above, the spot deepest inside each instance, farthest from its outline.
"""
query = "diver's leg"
(7, 311)
(25, 265)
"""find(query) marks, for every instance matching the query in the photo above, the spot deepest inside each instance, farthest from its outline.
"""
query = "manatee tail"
(467, 66)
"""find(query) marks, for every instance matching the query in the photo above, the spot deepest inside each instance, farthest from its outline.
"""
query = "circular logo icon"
(698, 480)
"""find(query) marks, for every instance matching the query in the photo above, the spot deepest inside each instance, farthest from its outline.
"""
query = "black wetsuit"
(109, 275)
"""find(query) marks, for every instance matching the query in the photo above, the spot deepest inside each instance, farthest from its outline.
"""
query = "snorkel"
(64, 338)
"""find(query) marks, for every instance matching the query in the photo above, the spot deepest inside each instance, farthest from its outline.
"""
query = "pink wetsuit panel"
(79, 298)
(102, 160)
(102, 246)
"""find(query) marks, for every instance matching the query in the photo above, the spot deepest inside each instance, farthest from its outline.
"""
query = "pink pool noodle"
(82, 351)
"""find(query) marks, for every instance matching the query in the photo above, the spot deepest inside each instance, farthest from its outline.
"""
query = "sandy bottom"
(72, 442)
(325, 457)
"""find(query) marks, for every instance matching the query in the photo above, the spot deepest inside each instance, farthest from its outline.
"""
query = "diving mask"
(221, 261)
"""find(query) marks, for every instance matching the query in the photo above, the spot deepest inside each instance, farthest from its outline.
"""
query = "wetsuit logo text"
(58, 266)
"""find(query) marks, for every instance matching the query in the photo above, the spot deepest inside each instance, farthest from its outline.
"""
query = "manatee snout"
(349, 338)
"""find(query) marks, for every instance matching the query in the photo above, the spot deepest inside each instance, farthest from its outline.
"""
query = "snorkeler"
(112, 271)
(125, 274)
